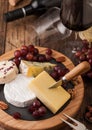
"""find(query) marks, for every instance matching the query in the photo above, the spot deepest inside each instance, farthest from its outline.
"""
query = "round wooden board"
(51, 123)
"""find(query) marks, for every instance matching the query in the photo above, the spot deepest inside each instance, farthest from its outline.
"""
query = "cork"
(13, 2)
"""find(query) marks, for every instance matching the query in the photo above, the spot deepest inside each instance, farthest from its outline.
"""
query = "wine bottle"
(35, 7)
(76, 14)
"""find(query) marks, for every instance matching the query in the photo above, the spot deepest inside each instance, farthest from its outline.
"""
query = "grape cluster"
(37, 109)
(58, 72)
(85, 54)
(31, 53)
(88, 113)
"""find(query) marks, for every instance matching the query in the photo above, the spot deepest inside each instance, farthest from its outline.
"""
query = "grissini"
(13, 2)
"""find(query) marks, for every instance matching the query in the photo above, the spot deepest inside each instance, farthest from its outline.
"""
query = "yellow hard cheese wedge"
(29, 68)
(53, 98)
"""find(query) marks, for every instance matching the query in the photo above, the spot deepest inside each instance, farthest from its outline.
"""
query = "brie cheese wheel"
(8, 71)
(18, 93)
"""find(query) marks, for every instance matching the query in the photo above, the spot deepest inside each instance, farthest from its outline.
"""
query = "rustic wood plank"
(7, 44)
(16, 30)
(3, 9)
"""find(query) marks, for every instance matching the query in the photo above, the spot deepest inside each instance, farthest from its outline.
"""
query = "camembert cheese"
(53, 98)
(8, 71)
(18, 93)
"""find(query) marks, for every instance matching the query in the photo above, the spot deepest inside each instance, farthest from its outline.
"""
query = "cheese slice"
(8, 71)
(18, 93)
(29, 68)
(53, 98)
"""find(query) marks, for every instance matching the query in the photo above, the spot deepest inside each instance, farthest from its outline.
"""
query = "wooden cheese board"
(54, 121)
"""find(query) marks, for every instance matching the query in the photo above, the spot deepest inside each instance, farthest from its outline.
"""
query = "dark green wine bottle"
(34, 8)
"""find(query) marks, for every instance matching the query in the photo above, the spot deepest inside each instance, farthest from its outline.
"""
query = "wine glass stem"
(90, 44)
(76, 35)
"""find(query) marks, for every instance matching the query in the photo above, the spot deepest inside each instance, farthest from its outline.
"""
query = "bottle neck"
(33, 8)
(27, 10)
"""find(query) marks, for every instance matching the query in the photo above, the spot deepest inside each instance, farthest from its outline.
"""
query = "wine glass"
(47, 25)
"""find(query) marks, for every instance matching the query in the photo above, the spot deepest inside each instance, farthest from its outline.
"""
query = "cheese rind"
(53, 98)
(18, 93)
(8, 71)
(34, 68)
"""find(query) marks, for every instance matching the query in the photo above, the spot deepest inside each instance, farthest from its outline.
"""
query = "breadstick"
(13, 2)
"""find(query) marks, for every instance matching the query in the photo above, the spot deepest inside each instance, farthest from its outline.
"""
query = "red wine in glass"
(76, 14)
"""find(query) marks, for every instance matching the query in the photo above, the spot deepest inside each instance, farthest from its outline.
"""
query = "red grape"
(17, 61)
(90, 51)
(36, 104)
(90, 61)
(31, 48)
(17, 53)
(62, 72)
(90, 109)
(36, 114)
(24, 47)
(35, 51)
(82, 57)
(35, 58)
(84, 50)
(48, 51)
(85, 43)
(41, 58)
(16, 115)
(78, 53)
(89, 56)
(48, 57)
(42, 110)
(88, 114)
(31, 108)
(29, 56)
(54, 75)
(23, 52)
(56, 68)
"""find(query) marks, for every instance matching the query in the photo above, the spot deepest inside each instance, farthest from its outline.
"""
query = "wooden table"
(13, 35)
